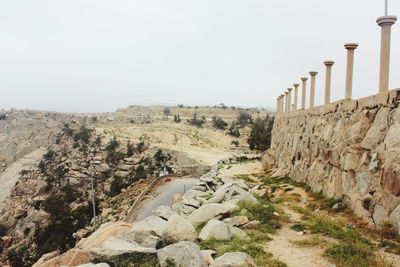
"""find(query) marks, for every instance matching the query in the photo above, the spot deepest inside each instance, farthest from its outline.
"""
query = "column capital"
(282, 95)
(296, 85)
(351, 46)
(313, 73)
(329, 63)
(290, 89)
(386, 20)
(304, 79)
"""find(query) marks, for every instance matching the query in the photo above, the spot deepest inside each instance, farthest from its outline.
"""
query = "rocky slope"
(169, 237)
(55, 197)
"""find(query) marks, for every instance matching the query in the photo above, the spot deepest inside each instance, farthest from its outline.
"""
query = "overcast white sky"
(98, 55)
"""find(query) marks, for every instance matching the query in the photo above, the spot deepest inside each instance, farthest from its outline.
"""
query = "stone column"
(349, 72)
(328, 76)
(303, 94)
(312, 88)
(277, 105)
(282, 104)
(286, 102)
(290, 99)
(296, 89)
(386, 23)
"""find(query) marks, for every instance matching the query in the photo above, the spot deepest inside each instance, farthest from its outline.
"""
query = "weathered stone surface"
(236, 220)
(392, 140)
(104, 232)
(46, 257)
(380, 214)
(391, 182)
(152, 223)
(237, 232)
(147, 239)
(208, 212)
(395, 217)
(208, 256)
(252, 225)
(234, 259)
(103, 168)
(72, 257)
(179, 229)
(164, 212)
(183, 254)
(102, 264)
(215, 229)
(231, 191)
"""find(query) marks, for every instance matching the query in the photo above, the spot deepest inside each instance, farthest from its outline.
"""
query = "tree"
(244, 118)
(219, 123)
(260, 135)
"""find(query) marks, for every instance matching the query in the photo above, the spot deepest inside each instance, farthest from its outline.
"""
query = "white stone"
(215, 229)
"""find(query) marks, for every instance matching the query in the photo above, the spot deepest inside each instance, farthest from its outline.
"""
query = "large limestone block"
(378, 129)
(231, 191)
(152, 223)
(208, 212)
(179, 229)
(103, 233)
(215, 229)
(182, 254)
(164, 212)
(147, 239)
(380, 214)
(395, 217)
(234, 259)
(392, 140)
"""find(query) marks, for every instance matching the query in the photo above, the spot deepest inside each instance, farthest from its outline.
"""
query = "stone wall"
(349, 149)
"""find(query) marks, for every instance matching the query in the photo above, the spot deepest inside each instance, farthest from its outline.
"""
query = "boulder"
(182, 208)
(103, 168)
(208, 255)
(238, 233)
(148, 239)
(215, 229)
(208, 212)
(395, 218)
(72, 257)
(118, 252)
(179, 229)
(103, 233)
(152, 223)
(252, 225)
(182, 254)
(46, 257)
(234, 259)
(19, 212)
(236, 220)
(231, 191)
(164, 212)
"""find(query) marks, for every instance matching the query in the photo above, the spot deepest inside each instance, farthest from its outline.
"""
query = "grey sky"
(97, 55)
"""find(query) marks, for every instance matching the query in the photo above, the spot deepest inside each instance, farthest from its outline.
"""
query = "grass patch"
(263, 211)
(299, 227)
(252, 247)
(310, 242)
(354, 253)
(245, 177)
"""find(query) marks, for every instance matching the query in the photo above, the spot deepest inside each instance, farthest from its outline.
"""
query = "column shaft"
(312, 89)
(303, 94)
(349, 72)
(328, 76)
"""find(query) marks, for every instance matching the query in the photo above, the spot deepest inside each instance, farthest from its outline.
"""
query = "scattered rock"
(252, 225)
(208, 212)
(164, 212)
(179, 229)
(148, 239)
(215, 229)
(208, 255)
(234, 259)
(182, 254)
(152, 223)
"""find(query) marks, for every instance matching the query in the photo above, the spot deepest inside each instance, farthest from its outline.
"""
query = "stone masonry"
(348, 149)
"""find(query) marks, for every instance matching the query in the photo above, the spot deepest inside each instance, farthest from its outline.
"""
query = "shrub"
(177, 119)
(49, 155)
(195, 121)
(235, 143)
(67, 130)
(160, 156)
(140, 147)
(244, 118)
(234, 130)
(219, 123)
(117, 185)
(83, 134)
(260, 135)
(129, 149)
(112, 144)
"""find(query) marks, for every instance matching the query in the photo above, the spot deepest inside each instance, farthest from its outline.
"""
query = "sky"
(100, 55)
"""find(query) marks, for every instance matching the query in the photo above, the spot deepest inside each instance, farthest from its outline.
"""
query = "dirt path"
(284, 250)
(10, 176)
